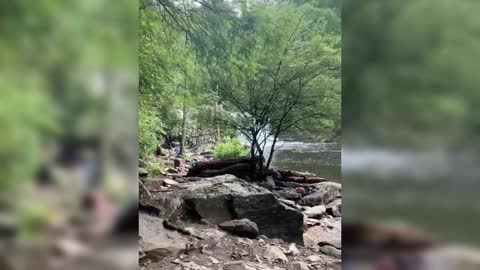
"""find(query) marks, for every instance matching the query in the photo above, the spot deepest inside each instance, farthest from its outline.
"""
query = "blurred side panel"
(68, 134)
(411, 126)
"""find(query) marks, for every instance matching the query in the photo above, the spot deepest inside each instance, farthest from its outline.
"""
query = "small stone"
(293, 250)
(314, 258)
(300, 266)
(241, 227)
(172, 170)
(273, 254)
(245, 241)
(213, 260)
(170, 182)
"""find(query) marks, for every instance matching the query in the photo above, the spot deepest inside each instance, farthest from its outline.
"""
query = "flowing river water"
(322, 159)
(435, 191)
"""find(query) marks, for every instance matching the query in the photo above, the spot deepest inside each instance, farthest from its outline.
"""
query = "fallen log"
(304, 179)
(299, 177)
(212, 165)
(239, 170)
(285, 173)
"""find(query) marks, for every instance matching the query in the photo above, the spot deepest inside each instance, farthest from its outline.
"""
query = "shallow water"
(438, 192)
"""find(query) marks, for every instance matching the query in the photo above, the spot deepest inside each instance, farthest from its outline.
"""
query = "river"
(436, 191)
(322, 159)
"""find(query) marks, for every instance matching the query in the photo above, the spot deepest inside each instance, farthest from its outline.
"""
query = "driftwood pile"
(242, 168)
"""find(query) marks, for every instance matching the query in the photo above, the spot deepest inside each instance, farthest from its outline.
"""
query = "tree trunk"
(218, 137)
(184, 128)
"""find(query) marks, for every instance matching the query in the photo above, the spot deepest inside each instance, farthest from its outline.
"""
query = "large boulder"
(226, 197)
(326, 192)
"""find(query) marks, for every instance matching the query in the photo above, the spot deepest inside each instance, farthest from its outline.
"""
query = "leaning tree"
(278, 69)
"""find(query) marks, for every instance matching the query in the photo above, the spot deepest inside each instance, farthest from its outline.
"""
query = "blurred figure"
(69, 133)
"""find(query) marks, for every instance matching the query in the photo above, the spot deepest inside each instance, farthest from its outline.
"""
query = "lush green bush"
(232, 148)
(154, 169)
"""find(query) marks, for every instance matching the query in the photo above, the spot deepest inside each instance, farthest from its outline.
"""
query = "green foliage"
(150, 127)
(408, 77)
(231, 148)
(275, 64)
(154, 169)
(32, 220)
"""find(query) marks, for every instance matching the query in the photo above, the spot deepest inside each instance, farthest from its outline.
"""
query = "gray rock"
(293, 250)
(172, 170)
(156, 242)
(288, 194)
(319, 234)
(170, 182)
(241, 227)
(314, 258)
(223, 198)
(330, 251)
(335, 208)
(244, 265)
(315, 211)
(273, 254)
(327, 191)
(300, 266)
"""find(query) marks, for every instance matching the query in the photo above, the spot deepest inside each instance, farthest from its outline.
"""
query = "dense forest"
(212, 70)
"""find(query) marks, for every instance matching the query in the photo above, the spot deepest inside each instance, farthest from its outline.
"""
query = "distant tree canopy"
(273, 66)
(409, 72)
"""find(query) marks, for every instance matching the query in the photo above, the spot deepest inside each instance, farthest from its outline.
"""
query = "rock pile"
(225, 222)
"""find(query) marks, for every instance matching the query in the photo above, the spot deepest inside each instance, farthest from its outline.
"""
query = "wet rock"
(315, 211)
(326, 192)
(273, 254)
(242, 227)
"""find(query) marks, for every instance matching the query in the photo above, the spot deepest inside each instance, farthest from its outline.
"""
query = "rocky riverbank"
(225, 222)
